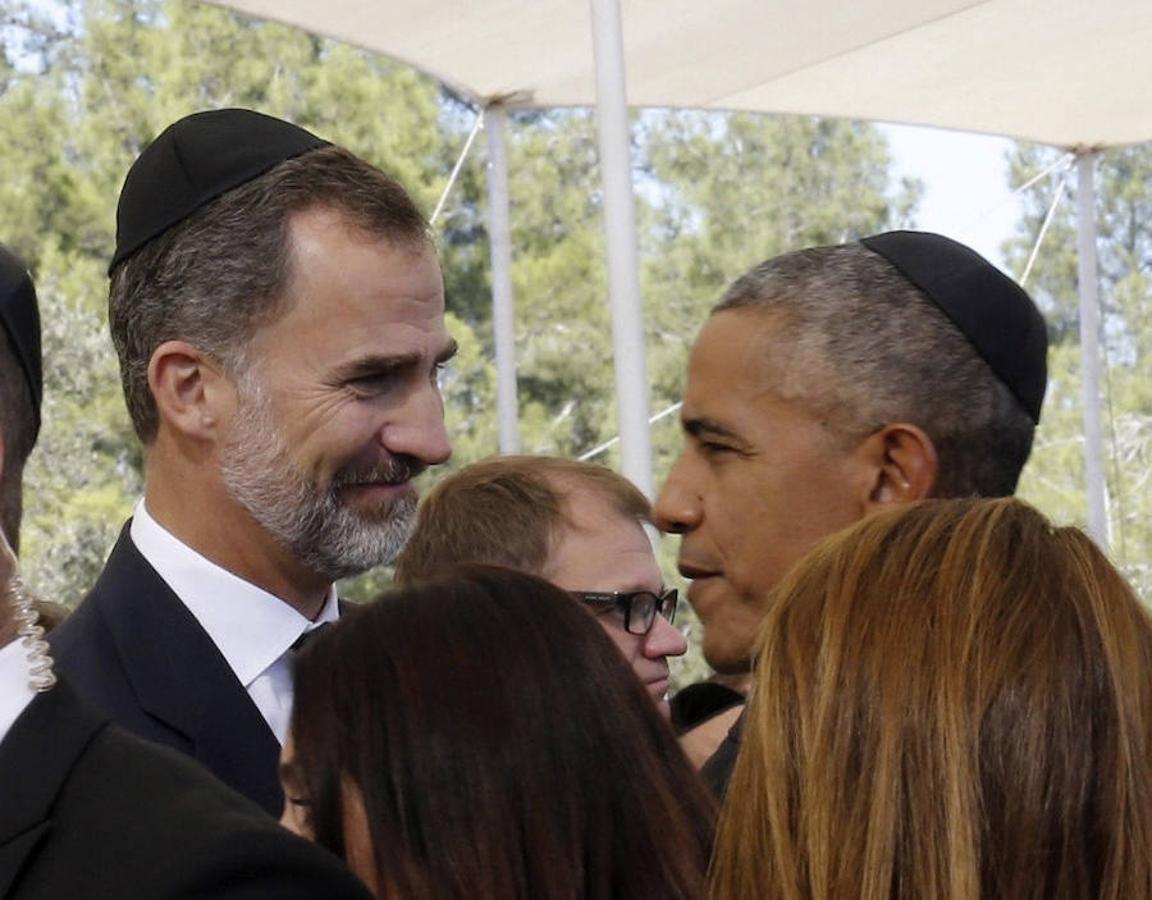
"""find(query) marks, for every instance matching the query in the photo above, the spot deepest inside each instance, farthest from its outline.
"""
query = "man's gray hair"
(861, 347)
(222, 273)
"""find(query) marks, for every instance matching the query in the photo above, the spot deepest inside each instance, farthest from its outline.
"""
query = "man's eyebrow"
(378, 364)
(700, 426)
(382, 364)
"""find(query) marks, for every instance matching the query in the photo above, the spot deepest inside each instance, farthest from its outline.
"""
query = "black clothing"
(135, 652)
(992, 311)
(697, 703)
(195, 160)
(717, 771)
(91, 812)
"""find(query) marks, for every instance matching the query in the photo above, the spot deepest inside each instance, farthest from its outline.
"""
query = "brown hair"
(223, 272)
(952, 700)
(501, 746)
(506, 511)
(19, 425)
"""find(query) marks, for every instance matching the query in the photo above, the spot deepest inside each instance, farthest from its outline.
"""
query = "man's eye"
(298, 801)
(439, 374)
(371, 384)
(711, 448)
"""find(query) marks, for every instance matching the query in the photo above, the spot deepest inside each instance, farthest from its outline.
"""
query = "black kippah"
(990, 309)
(20, 318)
(193, 162)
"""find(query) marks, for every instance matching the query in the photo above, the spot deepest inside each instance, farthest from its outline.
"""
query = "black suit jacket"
(88, 811)
(136, 653)
(718, 768)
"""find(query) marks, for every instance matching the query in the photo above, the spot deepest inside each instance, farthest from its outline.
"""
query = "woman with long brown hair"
(951, 702)
(479, 737)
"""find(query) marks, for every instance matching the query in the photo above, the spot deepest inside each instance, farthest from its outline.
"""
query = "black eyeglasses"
(639, 608)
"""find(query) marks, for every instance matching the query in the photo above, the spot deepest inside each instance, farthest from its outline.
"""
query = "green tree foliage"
(85, 84)
(1054, 479)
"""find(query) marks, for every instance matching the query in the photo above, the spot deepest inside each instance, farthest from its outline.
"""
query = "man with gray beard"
(278, 312)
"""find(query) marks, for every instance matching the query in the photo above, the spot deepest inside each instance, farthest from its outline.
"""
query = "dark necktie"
(307, 636)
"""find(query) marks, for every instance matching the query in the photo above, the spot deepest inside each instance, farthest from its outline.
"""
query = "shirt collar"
(15, 690)
(251, 627)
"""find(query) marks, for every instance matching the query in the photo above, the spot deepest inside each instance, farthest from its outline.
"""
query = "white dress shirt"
(251, 628)
(15, 690)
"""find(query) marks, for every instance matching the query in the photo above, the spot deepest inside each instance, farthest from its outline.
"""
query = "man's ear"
(192, 393)
(905, 465)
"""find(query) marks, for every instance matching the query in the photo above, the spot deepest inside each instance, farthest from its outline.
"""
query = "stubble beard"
(312, 521)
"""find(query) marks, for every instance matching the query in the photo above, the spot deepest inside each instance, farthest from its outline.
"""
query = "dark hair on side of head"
(507, 511)
(858, 343)
(19, 426)
(503, 748)
(216, 277)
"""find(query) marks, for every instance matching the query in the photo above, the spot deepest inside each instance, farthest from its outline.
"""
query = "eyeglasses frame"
(665, 605)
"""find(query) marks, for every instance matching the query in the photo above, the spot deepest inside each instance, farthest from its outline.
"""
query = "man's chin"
(361, 550)
(354, 540)
(730, 622)
(728, 657)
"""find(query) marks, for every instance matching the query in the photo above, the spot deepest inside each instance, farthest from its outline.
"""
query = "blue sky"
(966, 190)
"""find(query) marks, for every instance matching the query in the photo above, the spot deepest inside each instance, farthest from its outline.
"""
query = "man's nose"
(419, 430)
(677, 509)
(664, 640)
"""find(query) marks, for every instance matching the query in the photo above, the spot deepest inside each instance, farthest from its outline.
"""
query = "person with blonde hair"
(951, 700)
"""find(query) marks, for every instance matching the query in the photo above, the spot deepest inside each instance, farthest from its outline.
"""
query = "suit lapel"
(181, 678)
(36, 758)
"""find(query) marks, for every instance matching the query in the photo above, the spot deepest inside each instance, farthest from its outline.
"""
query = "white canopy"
(1071, 73)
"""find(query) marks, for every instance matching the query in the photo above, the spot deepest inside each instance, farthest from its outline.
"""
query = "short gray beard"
(311, 521)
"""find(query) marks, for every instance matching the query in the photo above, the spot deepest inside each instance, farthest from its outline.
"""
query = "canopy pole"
(1090, 347)
(503, 308)
(620, 237)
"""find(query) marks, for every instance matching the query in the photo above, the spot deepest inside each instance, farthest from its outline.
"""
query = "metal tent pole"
(1090, 348)
(503, 309)
(620, 235)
